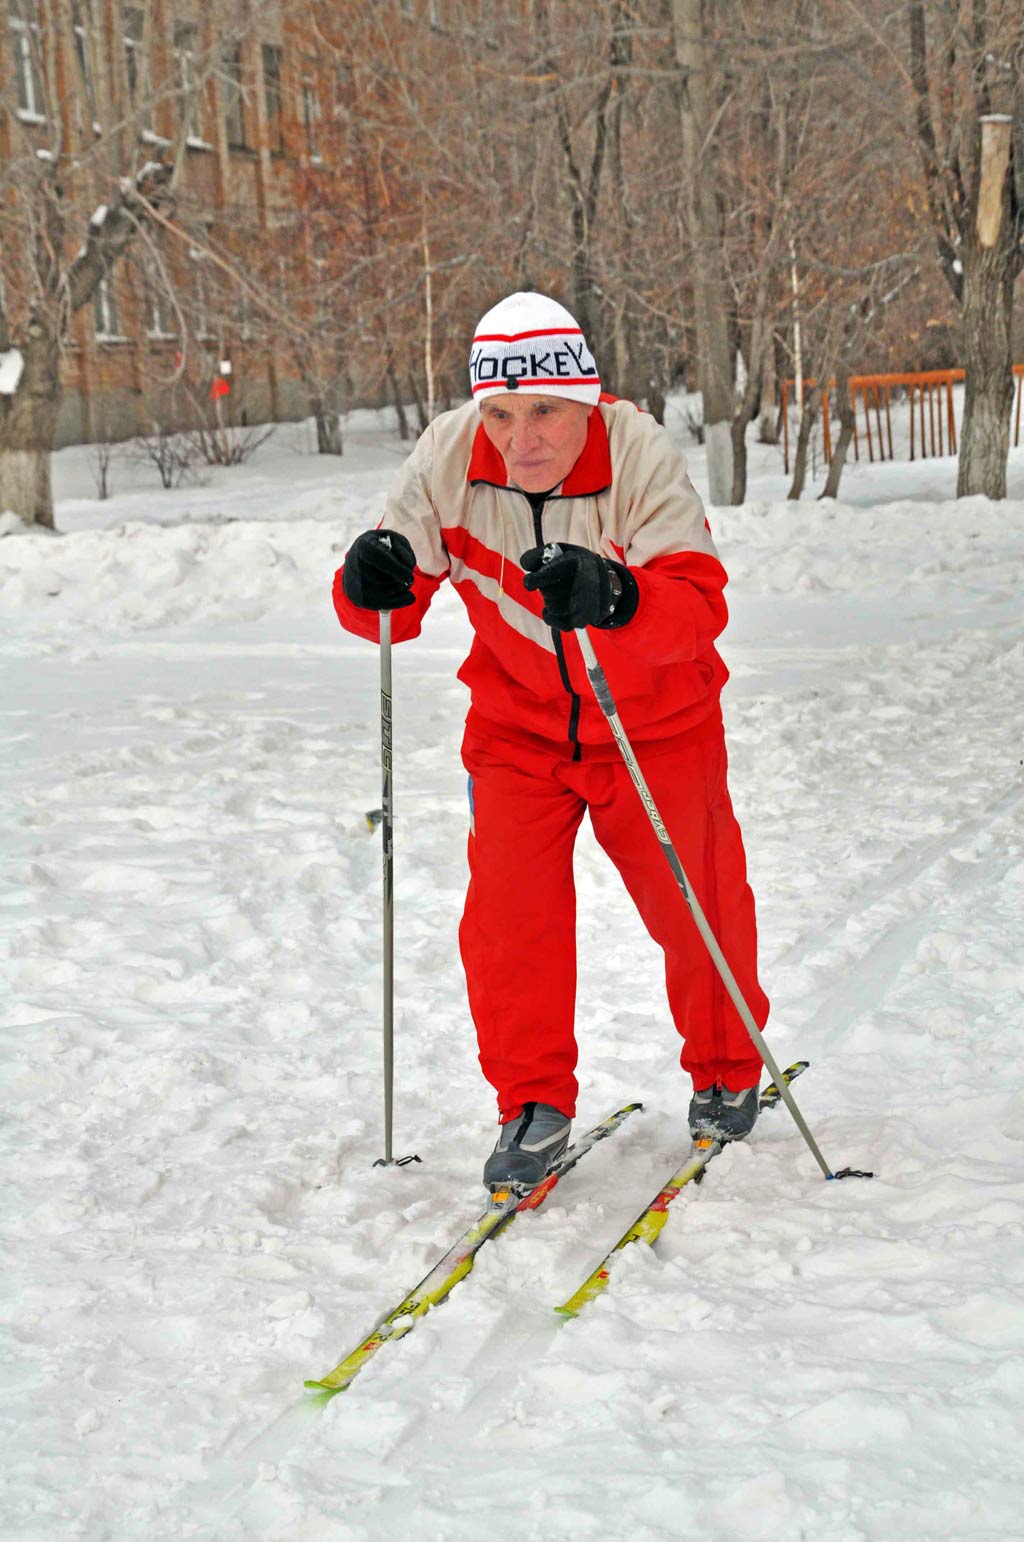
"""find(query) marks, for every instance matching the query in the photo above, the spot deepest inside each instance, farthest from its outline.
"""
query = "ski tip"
(567, 1313)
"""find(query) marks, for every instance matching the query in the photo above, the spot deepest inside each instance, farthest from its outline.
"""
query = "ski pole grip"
(599, 685)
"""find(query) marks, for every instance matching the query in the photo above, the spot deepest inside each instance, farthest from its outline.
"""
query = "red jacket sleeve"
(681, 608)
(664, 540)
(410, 510)
(405, 623)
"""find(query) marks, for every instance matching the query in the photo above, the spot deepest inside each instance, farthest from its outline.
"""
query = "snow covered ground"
(189, 948)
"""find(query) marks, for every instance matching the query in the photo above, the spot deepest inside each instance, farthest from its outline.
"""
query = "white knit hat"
(531, 343)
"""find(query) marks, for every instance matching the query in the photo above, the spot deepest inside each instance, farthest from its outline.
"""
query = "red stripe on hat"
(550, 380)
(515, 337)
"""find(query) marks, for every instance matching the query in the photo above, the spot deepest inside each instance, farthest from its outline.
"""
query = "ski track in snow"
(189, 948)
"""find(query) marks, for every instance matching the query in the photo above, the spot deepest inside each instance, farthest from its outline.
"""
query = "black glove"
(579, 588)
(378, 571)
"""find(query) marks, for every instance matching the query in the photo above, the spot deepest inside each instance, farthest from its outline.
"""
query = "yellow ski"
(648, 1225)
(458, 1261)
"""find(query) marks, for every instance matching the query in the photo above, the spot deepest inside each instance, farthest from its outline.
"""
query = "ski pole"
(387, 831)
(605, 700)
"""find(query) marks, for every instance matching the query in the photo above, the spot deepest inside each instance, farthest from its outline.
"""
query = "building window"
(188, 79)
(201, 311)
(106, 319)
(272, 96)
(234, 100)
(311, 118)
(244, 318)
(24, 19)
(85, 53)
(344, 90)
(160, 318)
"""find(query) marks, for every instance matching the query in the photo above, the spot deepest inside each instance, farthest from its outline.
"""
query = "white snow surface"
(189, 948)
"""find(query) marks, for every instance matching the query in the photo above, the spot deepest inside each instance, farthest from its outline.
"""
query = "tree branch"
(112, 231)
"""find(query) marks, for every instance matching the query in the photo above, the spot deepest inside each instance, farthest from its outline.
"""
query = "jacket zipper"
(574, 699)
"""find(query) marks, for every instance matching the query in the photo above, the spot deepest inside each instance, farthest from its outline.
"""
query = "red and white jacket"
(628, 497)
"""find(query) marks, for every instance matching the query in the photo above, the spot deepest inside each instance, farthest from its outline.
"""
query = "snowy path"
(189, 952)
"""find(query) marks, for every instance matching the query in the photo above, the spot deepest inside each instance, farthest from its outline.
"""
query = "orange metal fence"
(929, 395)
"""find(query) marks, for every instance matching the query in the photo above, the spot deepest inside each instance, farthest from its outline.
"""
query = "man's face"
(540, 438)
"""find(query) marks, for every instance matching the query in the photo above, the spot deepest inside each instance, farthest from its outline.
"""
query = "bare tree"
(582, 182)
(970, 134)
(84, 176)
(715, 351)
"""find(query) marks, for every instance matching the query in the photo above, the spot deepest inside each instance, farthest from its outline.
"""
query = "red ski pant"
(518, 932)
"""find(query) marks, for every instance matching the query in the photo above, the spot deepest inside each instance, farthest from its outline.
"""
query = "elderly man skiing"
(541, 457)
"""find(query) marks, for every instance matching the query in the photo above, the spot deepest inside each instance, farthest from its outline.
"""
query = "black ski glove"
(378, 571)
(579, 588)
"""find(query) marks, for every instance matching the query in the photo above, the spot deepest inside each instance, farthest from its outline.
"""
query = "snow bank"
(138, 577)
(141, 577)
(886, 549)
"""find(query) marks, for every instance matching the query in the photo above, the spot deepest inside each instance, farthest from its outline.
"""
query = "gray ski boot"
(704, 1108)
(718, 1114)
(528, 1147)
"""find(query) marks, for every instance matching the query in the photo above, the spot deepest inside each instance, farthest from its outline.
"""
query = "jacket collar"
(591, 474)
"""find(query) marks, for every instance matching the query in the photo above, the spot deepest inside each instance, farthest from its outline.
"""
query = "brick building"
(121, 77)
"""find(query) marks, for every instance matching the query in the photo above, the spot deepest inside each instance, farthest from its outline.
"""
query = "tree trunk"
(621, 381)
(977, 220)
(747, 410)
(759, 344)
(710, 299)
(988, 390)
(396, 393)
(739, 449)
(582, 191)
(28, 419)
(803, 443)
(417, 401)
(656, 400)
(768, 419)
(847, 422)
(328, 430)
(25, 487)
